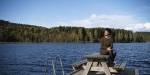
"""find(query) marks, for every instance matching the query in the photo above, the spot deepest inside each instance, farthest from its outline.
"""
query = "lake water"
(36, 58)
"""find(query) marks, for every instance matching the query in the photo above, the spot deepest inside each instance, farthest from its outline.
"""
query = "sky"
(123, 14)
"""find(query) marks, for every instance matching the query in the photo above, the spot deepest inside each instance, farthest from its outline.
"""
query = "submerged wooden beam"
(123, 65)
(137, 72)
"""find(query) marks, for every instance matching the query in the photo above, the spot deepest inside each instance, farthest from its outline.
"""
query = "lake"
(36, 58)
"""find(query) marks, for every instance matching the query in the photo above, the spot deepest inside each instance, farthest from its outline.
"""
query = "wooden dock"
(97, 64)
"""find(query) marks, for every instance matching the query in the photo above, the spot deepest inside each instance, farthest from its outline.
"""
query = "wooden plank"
(97, 56)
(88, 67)
(84, 67)
(99, 64)
(96, 69)
(137, 72)
(127, 71)
(76, 64)
(112, 70)
(102, 69)
(106, 69)
(95, 64)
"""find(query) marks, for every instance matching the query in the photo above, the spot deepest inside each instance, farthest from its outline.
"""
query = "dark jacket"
(105, 43)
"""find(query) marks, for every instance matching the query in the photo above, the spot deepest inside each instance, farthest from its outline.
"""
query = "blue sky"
(124, 14)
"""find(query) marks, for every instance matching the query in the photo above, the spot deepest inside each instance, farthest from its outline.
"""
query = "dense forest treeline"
(146, 36)
(15, 32)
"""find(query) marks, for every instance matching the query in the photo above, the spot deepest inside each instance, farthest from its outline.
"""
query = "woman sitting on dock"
(107, 45)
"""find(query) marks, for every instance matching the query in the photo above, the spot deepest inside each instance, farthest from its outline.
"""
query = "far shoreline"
(62, 42)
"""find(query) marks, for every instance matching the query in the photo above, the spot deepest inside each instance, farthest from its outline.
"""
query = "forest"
(15, 32)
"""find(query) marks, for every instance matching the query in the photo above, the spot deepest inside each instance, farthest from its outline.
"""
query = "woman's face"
(106, 33)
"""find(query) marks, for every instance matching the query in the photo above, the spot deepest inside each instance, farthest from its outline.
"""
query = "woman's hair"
(108, 30)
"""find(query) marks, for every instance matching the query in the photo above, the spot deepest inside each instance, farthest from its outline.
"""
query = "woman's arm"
(103, 44)
(111, 45)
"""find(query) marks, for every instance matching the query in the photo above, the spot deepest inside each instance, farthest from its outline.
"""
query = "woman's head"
(107, 32)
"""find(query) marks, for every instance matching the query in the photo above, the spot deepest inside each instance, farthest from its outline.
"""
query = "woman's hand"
(109, 48)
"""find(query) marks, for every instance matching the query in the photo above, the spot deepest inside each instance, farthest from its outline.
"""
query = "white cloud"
(139, 27)
(110, 21)
(147, 25)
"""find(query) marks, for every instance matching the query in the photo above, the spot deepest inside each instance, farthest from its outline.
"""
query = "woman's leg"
(112, 57)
